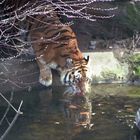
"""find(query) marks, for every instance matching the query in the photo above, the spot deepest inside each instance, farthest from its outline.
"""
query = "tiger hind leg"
(45, 76)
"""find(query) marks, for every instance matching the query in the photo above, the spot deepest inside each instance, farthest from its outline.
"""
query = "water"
(112, 116)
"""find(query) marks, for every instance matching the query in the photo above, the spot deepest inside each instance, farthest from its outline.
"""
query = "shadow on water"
(107, 113)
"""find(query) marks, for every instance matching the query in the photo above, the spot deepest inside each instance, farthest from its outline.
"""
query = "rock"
(92, 45)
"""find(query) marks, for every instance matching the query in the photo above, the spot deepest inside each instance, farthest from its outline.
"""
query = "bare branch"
(17, 111)
(13, 122)
(6, 111)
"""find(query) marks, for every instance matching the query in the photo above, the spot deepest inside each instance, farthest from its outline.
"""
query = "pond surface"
(113, 115)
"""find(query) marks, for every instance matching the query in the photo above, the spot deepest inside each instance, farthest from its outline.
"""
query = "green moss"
(109, 74)
(135, 60)
(134, 91)
(116, 90)
(137, 70)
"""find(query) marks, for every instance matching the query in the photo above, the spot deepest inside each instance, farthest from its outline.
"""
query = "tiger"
(57, 55)
(55, 46)
(64, 57)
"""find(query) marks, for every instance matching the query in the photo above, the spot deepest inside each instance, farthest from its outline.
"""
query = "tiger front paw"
(45, 82)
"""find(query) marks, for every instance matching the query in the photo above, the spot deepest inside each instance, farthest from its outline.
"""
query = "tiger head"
(82, 79)
(77, 75)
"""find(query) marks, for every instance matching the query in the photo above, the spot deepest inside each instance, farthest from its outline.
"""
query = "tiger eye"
(79, 71)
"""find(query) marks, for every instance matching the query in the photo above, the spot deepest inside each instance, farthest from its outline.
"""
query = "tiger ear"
(69, 62)
(86, 58)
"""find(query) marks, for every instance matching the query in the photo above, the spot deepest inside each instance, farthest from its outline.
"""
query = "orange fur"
(58, 55)
(53, 50)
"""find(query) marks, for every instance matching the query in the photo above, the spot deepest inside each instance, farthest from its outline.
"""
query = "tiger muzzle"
(82, 85)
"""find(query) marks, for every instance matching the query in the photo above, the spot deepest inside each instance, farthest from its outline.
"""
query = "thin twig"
(10, 104)
(8, 107)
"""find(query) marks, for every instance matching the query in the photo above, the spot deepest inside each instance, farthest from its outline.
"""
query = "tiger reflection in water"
(77, 109)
